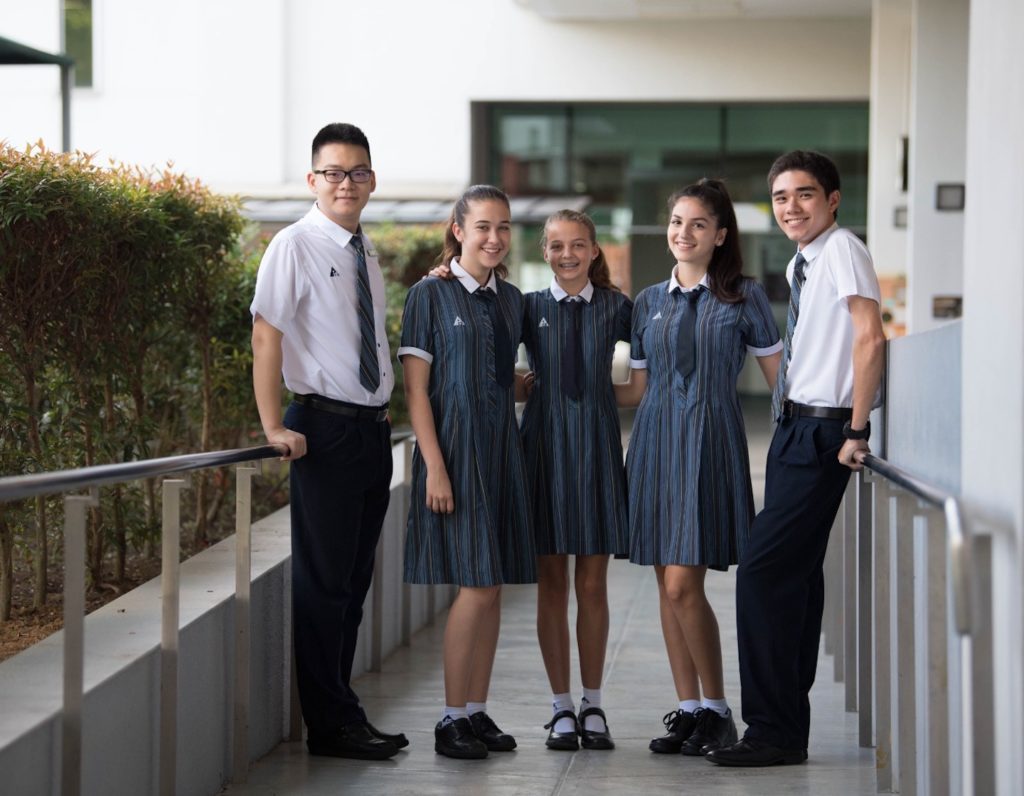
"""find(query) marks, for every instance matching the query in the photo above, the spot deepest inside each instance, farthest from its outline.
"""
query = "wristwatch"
(859, 433)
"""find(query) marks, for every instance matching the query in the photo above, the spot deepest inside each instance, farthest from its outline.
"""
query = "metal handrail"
(18, 487)
(958, 541)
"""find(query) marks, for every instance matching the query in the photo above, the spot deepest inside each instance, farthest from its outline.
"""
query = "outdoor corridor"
(407, 696)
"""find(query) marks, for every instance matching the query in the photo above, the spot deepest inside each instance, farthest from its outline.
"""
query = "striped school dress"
(574, 446)
(690, 498)
(488, 540)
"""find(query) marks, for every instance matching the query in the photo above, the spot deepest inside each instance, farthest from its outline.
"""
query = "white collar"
(587, 293)
(469, 281)
(332, 229)
(813, 249)
(673, 283)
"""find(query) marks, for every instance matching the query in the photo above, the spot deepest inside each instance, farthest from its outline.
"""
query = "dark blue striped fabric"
(690, 498)
(488, 540)
(574, 446)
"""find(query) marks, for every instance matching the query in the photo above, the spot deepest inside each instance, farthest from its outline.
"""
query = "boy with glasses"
(318, 319)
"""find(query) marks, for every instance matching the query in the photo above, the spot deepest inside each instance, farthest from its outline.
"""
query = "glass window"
(78, 38)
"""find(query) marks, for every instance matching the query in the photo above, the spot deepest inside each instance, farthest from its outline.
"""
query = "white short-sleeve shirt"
(821, 364)
(306, 289)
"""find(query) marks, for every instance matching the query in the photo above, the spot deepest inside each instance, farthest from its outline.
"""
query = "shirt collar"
(558, 294)
(673, 283)
(334, 231)
(813, 249)
(468, 281)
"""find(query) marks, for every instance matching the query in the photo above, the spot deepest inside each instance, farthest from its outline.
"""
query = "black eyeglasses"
(339, 175)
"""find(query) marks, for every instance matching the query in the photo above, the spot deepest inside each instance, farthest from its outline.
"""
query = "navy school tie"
(572, 356)
(503, 352)
(369, 366)
(795, 286)
(686, 346)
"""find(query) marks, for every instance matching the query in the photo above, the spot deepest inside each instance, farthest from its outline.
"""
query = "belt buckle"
(788, 409)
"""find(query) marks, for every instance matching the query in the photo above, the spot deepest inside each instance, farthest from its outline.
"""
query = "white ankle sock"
(689, 705)
(593, 723)
(720, 706)
(476, 707)
(560, 702)
(451, 713)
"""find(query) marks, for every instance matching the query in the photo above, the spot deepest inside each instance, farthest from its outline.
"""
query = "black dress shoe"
(487, 731)
(712, 731)
(593, 739)
(456, 739)
(398, 738)
(562, 741)
(355, 741)
(752, 752)
(680, 724)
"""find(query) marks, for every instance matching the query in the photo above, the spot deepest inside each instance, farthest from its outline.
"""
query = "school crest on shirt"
(334, 272)
(543, 323)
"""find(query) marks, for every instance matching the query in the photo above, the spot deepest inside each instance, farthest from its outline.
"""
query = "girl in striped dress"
(573, 451)
(469, 520)
(690, 497)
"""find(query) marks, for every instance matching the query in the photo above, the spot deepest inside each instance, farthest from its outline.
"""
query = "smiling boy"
(828, 383)
(318, 319)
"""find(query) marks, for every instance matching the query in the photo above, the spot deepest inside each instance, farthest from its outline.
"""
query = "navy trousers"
(780, 585)
(339, 496)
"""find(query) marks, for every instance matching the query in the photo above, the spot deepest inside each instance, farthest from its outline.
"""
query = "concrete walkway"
(408, 696)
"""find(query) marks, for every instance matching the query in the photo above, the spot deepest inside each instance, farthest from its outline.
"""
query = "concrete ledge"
(122, 667)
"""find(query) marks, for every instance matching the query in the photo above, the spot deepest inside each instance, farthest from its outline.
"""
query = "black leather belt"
(790, 409)
(377, 414)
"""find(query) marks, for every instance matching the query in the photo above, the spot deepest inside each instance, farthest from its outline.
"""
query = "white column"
(937, 111)
(993, 346)
(890, 93)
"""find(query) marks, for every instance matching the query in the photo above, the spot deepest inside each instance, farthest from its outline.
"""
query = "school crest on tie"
(459, 321)
(657, 316)
(543, 323)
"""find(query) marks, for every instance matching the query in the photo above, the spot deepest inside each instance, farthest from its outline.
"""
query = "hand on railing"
(291, 443)
(853, 452)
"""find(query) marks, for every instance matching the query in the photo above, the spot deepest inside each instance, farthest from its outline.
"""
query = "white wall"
(938, 127)
(993, 347)
(890, 91)
(233, 91)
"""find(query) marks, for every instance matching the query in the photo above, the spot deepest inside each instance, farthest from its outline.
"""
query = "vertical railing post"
(243, 579)
(849, 520)
(74, 639)
(901, 535)
(170, 590)
(865, 610)
(982, 739)
(883, 636)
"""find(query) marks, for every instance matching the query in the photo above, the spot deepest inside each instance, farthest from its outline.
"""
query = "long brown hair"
(725, 271)
(599, 273)
(452, 245)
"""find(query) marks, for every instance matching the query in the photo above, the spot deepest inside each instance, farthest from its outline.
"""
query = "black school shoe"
(354, 741)
(679, 724)
(712, 731)
(591, 739)
(398, 738)
(487, 731)
(562, 741)
(456, 739)
(750, 752)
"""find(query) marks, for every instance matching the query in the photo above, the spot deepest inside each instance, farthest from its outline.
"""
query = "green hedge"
(124, 334)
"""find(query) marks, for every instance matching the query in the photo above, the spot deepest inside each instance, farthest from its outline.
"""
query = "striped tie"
(686, 345)
(369, 367)
(779, 395)
(572, 357)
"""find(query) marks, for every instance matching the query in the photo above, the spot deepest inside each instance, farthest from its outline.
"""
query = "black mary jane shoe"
(491, 734)
(457, 739)
(562, 741)
(590, 739)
